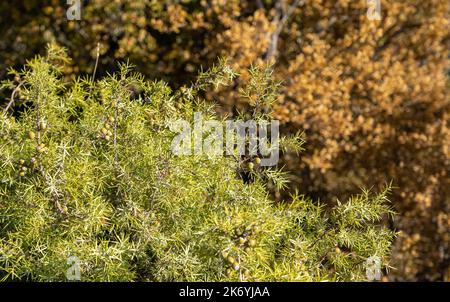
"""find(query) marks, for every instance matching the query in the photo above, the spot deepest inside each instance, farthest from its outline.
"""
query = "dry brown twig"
(284, 12)
(13, 94)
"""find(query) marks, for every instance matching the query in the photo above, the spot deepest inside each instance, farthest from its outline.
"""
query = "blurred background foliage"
(371, 96)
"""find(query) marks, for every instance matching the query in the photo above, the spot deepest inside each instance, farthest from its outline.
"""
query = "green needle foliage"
(86, 170)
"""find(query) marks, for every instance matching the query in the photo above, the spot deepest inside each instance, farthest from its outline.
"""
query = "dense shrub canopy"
(372, 96)
(87, 171)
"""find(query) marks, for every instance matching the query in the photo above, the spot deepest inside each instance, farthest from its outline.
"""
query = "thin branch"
(324, 256)
(280, 20)
(240, 269)
(260, 4)
(13, 94)
(38, 130)
(54, 194)
(327, 230)
(95, 68)
(96, 62)
(116, 118)
(388, 38)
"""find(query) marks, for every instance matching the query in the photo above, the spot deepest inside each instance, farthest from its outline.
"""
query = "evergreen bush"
(86, 171)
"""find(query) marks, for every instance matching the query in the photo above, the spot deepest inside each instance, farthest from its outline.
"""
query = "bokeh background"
(370, 95)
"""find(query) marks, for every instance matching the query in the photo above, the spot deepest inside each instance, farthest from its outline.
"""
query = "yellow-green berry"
(42, 125)
(252, 243)
(31, 135)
